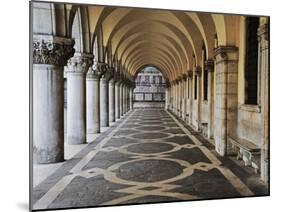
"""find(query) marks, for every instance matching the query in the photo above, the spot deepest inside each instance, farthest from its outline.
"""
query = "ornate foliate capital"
(189, 74)
(197, 71)
(263, 32)
(80, 62)
(108, 74)
(52, 50)
(209, 65)
(96, 71)
(223, 53)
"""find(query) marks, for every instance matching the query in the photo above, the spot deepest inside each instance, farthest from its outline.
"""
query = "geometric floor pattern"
(148, 157)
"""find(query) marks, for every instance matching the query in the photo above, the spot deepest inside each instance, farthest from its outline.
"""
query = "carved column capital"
(184, 77)
(79, 63)
(197, 71)
(209, 65)
(263, 36)
(96, 71)
(108, 74)
(52, 50)
(189, 74)
(226, 53)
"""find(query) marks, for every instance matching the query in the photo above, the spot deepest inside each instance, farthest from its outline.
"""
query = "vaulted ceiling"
(172, 41)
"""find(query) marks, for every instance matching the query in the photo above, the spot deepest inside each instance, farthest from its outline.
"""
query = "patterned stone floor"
(148, 157)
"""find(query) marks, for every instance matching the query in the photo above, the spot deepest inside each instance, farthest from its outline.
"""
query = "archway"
(150, 88)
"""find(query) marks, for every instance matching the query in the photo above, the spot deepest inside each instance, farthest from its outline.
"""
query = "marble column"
(225, 114)
(121, 99)
(174, 98)
(111, 96)
(104, 109)
(209, 65)
(190, 84)
(117, 100)
(180, 97)
(198, 72)
(177, 97)
(76, 97)
(167, 98)
(124, 99)
(50, 55)
(263, 37)
(93, 97)
(183, 96)
(131, 97)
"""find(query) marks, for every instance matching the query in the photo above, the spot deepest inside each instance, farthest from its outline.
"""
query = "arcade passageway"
(149, 156)
(93, 145)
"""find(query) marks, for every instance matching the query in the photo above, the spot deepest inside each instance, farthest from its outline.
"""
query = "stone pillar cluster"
(97, 95)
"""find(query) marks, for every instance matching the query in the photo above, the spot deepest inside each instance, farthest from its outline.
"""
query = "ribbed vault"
(173, 41)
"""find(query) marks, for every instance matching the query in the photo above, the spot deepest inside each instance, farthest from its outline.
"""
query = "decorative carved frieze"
(52, 50)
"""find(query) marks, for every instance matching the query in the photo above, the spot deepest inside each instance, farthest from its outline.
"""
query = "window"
(154, 79)
(251, 61)
(146, 79)
(160, 80)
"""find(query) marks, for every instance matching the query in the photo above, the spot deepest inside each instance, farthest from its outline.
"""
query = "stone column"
(117, 100)
(225, 97)
(111, 96)
(209, 65)
(263, 37)
(131, 97)
(177, 97)
(180, 97)
(76, 97)
(124, 99)
(121, 98)
(198, 101)
(104, 109)
(183, 96)
(50, 54)
(190, 77)
(93, 97)
(166, 98)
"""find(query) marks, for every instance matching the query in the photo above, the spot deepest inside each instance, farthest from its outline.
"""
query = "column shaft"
(104, 115)
(121, 99)
(225, 97)
(93, 105)
(117, 100)
(263, 33)
(111, 100)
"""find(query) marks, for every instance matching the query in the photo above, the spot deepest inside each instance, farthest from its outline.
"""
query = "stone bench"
(247, 151)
